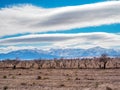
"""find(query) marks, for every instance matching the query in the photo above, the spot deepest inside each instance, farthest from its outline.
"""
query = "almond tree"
(13, 62)
(79, 66)
(39, 63)
(5, 63)
(103, 60)
(57, 63)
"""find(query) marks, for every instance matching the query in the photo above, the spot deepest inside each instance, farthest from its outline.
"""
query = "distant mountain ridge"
(58, 53)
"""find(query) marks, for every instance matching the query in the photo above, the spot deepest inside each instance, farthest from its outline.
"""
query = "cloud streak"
(80, 40)
(32, 19)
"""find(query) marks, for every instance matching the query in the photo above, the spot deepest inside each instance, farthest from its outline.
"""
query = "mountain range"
(29, 54)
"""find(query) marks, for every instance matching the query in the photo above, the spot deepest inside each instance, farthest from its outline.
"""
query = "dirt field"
(59, 79)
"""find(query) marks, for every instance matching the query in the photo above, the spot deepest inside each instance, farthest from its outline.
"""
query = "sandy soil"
(59, 79)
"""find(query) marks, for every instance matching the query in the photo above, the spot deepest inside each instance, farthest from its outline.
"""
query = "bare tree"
(13, 62)
(57, 63)
(5, 63)
(39, 63)
(79, 66)
(85, 61)
(103, 61)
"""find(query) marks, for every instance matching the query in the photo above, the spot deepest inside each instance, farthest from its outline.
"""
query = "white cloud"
(32, 19)
(80, 40)
(13, 48)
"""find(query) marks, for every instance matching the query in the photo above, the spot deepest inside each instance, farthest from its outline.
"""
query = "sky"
(46, 24)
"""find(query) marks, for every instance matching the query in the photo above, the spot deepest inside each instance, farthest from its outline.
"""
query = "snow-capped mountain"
(58, 53)
(91, 52)
(26, 54)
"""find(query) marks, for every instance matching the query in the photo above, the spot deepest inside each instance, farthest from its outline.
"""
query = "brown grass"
(60, 79)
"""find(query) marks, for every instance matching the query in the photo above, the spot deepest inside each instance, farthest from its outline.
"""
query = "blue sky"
(49, 24)
(48, 3)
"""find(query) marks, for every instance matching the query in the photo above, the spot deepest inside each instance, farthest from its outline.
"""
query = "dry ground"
(59, 79)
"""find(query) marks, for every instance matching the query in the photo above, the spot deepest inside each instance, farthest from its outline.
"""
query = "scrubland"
(69, 74)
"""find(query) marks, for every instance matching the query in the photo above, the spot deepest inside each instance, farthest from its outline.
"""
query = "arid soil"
(59, 79)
